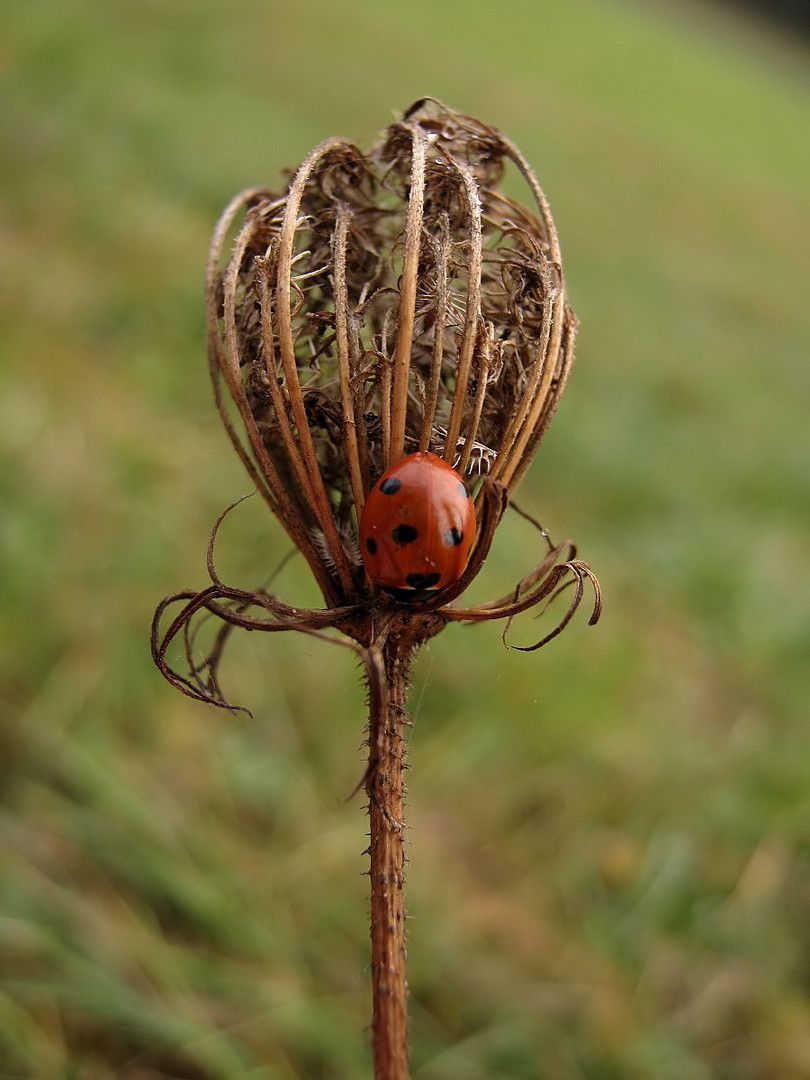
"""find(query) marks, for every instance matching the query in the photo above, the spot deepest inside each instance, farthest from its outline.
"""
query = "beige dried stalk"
(386, 302)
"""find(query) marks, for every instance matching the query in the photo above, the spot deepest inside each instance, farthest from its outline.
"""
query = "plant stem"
(387, 667)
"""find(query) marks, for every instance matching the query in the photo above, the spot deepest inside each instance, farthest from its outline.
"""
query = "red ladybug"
(417, 527)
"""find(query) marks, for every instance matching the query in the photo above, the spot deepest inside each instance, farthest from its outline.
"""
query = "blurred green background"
(608, 849)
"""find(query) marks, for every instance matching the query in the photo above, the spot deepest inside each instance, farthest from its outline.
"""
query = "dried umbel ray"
(386, 302)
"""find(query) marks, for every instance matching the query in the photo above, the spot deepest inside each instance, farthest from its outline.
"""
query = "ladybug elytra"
(417, 527)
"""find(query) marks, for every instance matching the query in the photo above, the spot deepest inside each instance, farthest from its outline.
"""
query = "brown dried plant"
(386, 302)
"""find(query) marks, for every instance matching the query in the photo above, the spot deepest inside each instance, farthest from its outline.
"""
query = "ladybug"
(417, 527)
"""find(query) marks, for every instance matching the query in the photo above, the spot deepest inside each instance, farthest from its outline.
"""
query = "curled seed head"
(386, 302)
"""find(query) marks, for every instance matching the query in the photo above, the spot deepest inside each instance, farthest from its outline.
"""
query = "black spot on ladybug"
(404, 534)
(453, 537)
(371, 545)
(390, 486)
(422, 581)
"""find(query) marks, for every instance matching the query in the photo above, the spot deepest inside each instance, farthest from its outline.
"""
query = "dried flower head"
(387, 302)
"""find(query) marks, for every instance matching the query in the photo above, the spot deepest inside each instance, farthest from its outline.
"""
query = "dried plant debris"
(385, 303)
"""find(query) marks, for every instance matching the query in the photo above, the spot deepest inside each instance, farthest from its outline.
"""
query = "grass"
(609, 858)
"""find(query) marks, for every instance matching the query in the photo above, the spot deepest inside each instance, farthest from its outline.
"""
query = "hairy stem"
(387, 667)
